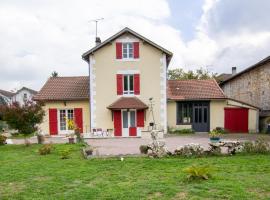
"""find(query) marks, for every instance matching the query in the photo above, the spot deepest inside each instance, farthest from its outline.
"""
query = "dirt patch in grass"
(180, 195)
(11, 188)
(156, 195)
(260, 192)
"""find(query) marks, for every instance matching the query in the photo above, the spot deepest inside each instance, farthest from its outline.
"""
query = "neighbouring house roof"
(127, 103)
(169, 54)
(223, 77)
(258, 64)
(6, 93)
(30, 90)
(194, 90)
(64, 88)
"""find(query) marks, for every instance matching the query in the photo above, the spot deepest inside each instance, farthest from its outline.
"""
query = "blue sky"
(185, 16)
(38, 37)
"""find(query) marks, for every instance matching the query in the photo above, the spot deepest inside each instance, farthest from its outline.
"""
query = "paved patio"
(118, 146)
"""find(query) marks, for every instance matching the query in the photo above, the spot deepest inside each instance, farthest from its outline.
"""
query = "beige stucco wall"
(104, 69)
(216, 114)
(44, 126)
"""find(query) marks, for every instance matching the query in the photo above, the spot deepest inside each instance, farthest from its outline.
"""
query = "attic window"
(128, 50)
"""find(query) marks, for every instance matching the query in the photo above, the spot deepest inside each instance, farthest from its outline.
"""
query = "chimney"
(98, 41)
(234, 70)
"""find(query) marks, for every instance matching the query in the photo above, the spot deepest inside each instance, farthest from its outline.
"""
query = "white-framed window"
(64, 116)
(128, 84)
(128, 50)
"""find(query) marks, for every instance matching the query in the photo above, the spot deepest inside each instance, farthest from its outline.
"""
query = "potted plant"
(214, 135)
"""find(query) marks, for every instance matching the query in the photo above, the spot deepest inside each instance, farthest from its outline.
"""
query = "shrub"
(65, 154)
(198, 172)
(2, 139)
(45, 149)
(259, 146)
(190, 150)
(248, 147)
(182, 131)
(23, 118)
(144, 149)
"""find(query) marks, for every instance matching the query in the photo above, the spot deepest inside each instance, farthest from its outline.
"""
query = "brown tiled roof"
(64, 88)
(194, 89)
(6, 93)
(127, 103)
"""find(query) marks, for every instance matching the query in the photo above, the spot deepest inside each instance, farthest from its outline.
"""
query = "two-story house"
(127, 93)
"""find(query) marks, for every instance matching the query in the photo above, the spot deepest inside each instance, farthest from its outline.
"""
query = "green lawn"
(26, 175)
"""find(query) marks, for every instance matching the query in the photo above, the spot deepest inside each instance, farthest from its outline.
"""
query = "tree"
(54, 74)
(180, 74)
(23, 118)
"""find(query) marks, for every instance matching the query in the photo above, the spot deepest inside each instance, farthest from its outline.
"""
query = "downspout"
(89, 95)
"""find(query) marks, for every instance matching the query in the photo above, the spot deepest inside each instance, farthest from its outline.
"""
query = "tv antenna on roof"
(96, 21)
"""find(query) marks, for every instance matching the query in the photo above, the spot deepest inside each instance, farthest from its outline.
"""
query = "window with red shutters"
(53, 121)
(119, 84)
(118, 50)
(136, 84)
(136, 49)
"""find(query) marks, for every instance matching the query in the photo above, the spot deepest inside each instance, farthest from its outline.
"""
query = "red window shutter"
(136, 49)
(79, 118)
(140, 118)
(53, 121)
(137, 84)
(117, 123)
(118, 50)
(119, 84)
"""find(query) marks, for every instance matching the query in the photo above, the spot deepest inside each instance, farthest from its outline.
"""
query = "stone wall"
(252, 87)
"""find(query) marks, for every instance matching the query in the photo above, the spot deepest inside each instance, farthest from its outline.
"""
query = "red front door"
(236, 120)
(117, 120)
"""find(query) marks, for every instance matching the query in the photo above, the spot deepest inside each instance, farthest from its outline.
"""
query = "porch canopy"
(128, 103)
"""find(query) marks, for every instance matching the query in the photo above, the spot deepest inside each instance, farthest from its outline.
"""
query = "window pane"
(130, 50)
(125, 119)
(200, 115)
(132, 119)
(205, 115)
(184, 113)
(125, 83)
(131, 83)
(196, 115)
(62, 119)
(70, 117)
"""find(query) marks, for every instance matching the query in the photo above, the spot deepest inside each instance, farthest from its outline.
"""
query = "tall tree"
(180, 74)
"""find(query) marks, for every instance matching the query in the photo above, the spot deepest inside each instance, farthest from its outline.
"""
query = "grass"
(24, 174)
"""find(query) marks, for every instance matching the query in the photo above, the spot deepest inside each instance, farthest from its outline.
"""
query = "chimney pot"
(234, 70)
(98, 41)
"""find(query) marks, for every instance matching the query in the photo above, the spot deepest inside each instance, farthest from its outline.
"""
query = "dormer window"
(128, 50)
